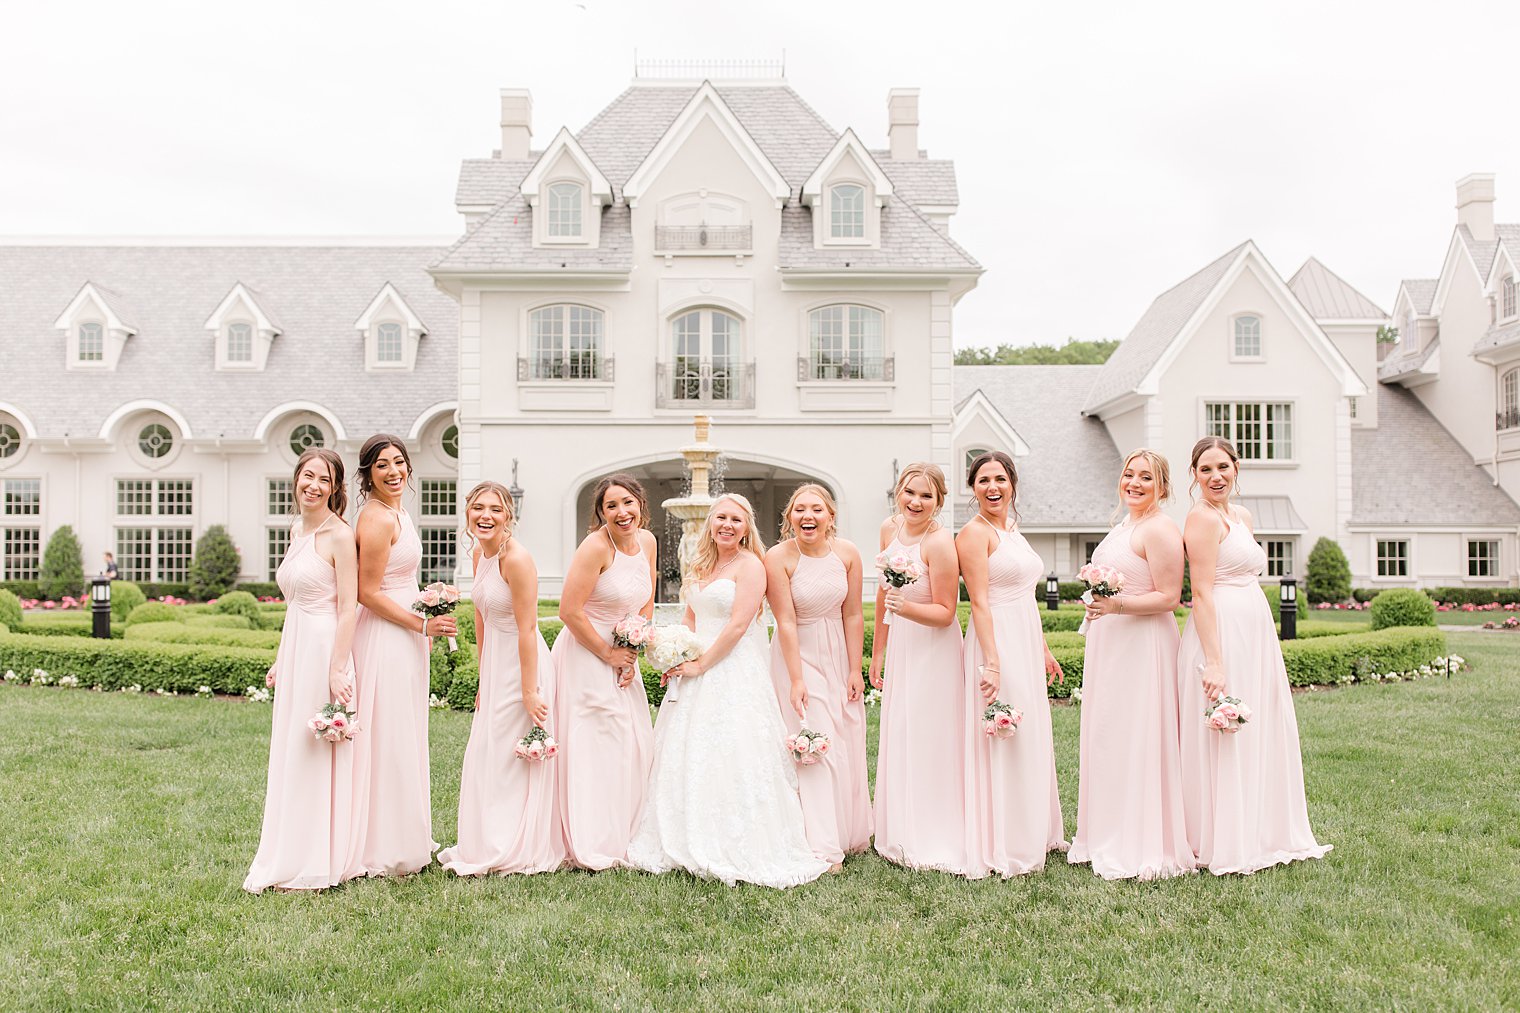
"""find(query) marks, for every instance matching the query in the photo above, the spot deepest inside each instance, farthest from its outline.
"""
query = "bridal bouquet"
(1227, 714)
(333, 723)
(899, 570)
(633, 631)
(668, 646)
(1102, 582)
(438, 599)
(999, 721)
(536, 745)
(807, 746)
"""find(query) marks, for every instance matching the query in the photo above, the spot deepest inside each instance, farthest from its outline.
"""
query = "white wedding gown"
(722, 798)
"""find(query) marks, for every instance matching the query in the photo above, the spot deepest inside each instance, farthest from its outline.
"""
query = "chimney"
(516, 123)
(902, 123)
(1475, 205)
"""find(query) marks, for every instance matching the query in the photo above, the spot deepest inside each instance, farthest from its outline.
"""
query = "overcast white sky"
(1105, 150)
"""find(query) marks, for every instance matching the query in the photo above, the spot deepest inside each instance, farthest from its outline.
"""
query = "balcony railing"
(575, 366)
(826, 368)
(1507, 419)
(701, 238)
(689, 384)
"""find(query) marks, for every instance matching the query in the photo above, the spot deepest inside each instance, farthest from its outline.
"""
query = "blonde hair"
(480, 490)
(931, 474)
(1158, 464)
(705, 559)
(787, 531)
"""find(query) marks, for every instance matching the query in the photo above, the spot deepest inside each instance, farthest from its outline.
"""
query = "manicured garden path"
(128, 823)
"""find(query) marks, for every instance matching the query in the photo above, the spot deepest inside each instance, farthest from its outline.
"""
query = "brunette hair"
(705, 558)
(337, 500)
(787, 531)
(931, 474)
(628, 482)
(1202, 447)
(368, 454)
(988, 457)
(481, 488)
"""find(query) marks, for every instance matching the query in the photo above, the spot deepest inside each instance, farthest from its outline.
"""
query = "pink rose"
(1243, 713)
(819, 746)
(428, 598)
(1003, 720)
(1218, 721)
(333, 735)
(990, 728)
(521, 751)
(1228, 710)
(450, 594)
(316, 725)
(550, 748)
(535, 749)
(340, 721)
(881, 559)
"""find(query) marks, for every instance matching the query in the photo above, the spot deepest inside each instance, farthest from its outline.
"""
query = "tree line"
(1073, 353)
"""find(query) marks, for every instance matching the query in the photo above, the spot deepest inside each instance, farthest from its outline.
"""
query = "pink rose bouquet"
(808, 747)
(1227, 714)
(438, 599)
(1000, 721)
(634, 632)
(333, 723)
(1102, 582)
(899, 570)
(536, 745)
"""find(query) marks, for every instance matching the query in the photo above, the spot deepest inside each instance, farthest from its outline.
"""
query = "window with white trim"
(438, 503)
(1279, 556)
(1392, 557)
(450, 442)
(438, 497)
(1509, 400)
(564, 211)
(1088, 548)
(280, 498)
(973, 454)
(146, 550)
(1261, 431)
(92, 342)
(22, 541)
(1409, 333)
(10, 440)
(388, 345)
(280, 508)
(565, 343)
(846, 343)
(240, 343)
(1507, 296)
(1483, 557)
(847, 211)
(440, 548)
(155, 440)
(705, 356)
(306, 436)
(1248, 337)
(22, 497)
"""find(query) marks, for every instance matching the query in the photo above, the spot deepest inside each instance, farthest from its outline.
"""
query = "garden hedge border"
(187, 633)
(114, 664)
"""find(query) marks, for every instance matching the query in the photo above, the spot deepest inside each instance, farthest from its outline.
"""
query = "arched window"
(847, 211)
(846, 343)
(565, 210)
(1509, 400)
(239, 343)
(305, 436)
(705, 360)
(92, 343)
(564, 343)
(1507, 296)
(155, 440)
(1248, 337)
(973, 454)
(388, 343)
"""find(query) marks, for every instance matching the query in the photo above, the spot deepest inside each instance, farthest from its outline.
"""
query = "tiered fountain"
(692, 508)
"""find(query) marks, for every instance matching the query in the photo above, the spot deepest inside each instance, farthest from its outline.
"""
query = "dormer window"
(391, 331)
(565, 211)
(1247, 343)
(388, 346)
(1507, 296)
(240, 343)
(847, 211)
(92, 342)
(243, 328)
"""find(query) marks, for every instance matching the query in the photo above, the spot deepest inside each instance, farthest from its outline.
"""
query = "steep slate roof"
(1151, 337)
(1422, 293)
(1483, 253)
(317, 292)
(1037, 401)
(1497, 336)
(1327, 296)
(1410, 470)
(1398, 364)
(790, 133)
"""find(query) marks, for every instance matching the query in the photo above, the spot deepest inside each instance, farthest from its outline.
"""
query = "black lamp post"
(1052, 592)
(1289, 609)
(100, 607)
(516, 492)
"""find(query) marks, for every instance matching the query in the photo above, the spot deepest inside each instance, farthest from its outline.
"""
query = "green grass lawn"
(129, 822)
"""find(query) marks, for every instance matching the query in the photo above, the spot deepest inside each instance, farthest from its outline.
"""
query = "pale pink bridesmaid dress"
(1243, 792)
(393, 806)
(508, 808)
(836, 802)
(307, 804)
(921, 758)
(605, 733)
(1130, 823)
(1013, 811)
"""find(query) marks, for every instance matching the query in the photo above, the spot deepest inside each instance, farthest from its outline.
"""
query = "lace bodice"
(712, 606)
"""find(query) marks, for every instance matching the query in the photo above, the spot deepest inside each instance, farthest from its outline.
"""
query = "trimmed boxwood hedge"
(82, 628)
(239, 603)
(125, 596)
(112, 664)
(219, 622)
(1327, 660)
(10, 610)
(1475, 595)
(185, 633)
(153, 612)
(1402, 606)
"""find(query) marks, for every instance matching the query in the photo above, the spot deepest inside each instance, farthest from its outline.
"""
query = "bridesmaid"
(393, 815)
(1013, 811)
(304, 843)
(1129, 797)
(605, 733)
(1243, 792)
(813, 581)
(508, 808)
(921, 762)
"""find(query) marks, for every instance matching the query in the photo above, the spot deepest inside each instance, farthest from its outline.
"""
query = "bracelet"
(424, 625)
(1120, 602)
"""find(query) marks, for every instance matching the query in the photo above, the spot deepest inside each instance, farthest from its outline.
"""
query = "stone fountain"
(692, 508)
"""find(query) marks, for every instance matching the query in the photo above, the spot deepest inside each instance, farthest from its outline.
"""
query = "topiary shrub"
(1329, 575)
(10, 611)
(1402, 606)
(153, 612)
(62, 566)
(215, 567)
(125, 596)
(240, 603)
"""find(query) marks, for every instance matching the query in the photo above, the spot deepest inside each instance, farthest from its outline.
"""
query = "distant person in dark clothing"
(111, 569)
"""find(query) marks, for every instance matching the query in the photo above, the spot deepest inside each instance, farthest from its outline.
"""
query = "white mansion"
(718, 247)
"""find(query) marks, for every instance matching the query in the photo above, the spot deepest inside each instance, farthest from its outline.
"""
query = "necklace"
(723, 566)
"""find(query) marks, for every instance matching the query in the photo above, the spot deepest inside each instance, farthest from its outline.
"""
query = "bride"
(722, 799)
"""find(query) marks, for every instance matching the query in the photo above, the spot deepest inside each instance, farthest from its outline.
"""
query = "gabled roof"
(1421, 293)
(119, 315)
(848, 143)
(1497, 337)
(503, 241)
(1327, 296)
(706, 105)
(1507, 256)
(909, 243)
(254, 301)
(922, 182)
(1481, 251)
(388, 293)
(979, 405)
(1418, 365)
(1410, 450)
(1038, 402)
(565, 142)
